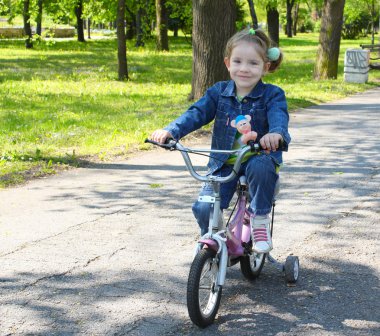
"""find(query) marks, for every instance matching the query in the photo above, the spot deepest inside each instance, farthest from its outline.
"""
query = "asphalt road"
(105, 250)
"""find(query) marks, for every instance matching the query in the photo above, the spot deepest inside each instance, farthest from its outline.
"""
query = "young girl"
(248, 57)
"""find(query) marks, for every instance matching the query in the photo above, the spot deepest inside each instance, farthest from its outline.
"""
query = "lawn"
(62, 105)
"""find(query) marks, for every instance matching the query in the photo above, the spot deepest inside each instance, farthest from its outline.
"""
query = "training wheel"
(292, 266)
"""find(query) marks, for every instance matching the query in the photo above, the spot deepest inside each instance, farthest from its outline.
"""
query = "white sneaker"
(261, 238)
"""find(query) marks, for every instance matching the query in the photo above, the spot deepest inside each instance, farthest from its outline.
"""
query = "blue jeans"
(260, 171)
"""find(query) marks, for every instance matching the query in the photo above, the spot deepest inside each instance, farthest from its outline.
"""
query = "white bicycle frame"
(217, 230)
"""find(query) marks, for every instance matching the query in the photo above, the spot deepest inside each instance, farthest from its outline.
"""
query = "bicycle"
(225, 244)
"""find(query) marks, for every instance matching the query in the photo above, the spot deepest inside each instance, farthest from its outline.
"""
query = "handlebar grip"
(282, 146)
(168, 144)
(256, 146)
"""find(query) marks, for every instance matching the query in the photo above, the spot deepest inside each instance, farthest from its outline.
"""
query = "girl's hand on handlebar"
(160, 136)
(271, 141)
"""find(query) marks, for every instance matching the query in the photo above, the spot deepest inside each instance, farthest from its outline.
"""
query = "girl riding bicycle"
(248, 57)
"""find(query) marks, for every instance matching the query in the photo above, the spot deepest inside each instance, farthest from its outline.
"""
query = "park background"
(65, 101)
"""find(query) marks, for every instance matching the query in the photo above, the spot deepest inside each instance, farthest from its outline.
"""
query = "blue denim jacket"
(266, 104)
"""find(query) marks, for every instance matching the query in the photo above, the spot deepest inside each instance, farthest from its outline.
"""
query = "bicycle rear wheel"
(203, 294)
(252, 264)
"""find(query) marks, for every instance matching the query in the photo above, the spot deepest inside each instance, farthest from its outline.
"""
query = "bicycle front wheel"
(203, 294)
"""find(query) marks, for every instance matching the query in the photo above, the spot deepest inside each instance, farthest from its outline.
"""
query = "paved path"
(105, 250)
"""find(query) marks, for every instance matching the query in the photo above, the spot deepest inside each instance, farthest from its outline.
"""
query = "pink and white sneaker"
(261, 237)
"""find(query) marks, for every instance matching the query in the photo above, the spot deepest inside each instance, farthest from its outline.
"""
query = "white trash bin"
(356, 66)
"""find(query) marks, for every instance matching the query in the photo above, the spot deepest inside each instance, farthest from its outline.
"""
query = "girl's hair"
(260, 40)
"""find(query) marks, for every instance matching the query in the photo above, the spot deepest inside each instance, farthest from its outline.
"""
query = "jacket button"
(245, 100)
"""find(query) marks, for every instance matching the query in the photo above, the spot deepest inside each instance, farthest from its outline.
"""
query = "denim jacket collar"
(257, 92)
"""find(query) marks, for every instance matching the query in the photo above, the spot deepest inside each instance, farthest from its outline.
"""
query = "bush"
(353, 28)
(307, 26)
(317, 26)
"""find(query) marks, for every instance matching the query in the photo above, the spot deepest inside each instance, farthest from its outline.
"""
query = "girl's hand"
(271, 141)
(160, 135)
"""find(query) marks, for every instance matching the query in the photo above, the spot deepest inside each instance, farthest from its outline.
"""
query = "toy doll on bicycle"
(259, 111)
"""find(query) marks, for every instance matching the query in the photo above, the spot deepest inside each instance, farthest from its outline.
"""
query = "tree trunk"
(162, 25)
(39, 18)
(78, 14)
(139, 29)
(289, 19)
(131, 23)
(121, 40)
(273, 19)
(209, 41)
(27, 27)
(89, 29)
(329, 40)
(295, 18)
(373, 15)
(252, 11)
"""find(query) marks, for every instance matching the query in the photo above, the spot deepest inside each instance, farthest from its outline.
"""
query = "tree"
(162, 25)
(130, 22)
(27, 27)
(273, 20)
(121, 40)
(289, 19)
(252, 11)
(39, 17)
(209, 40)
(373, 14)
(79, 15)
(88, 28)
(329, 40)
(295, 18)
(139, 28)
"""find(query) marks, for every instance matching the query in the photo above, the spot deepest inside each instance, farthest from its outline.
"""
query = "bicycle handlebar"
(172, 144)
(169, 143)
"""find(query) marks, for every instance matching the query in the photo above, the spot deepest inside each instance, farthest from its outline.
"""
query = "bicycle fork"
(213, 239)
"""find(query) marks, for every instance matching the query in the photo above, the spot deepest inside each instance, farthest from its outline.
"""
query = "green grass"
(61, 103)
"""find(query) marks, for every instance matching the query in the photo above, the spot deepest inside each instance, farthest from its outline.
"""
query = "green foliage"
(358, 16)
(100, 11)
(62, 12)
(4, 8)
(240, 15)
(355, 27)
(180, 15)
(62, 105)
(13, 8)
(317, 26)
(305, 23)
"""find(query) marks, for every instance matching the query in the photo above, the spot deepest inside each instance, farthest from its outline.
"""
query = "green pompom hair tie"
(273, 54)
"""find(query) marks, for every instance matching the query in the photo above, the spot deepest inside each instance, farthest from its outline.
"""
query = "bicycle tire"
(252, 264)
(291, 268)
(203, 295)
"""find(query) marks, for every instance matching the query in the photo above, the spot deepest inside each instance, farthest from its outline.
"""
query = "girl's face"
(246, 67)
